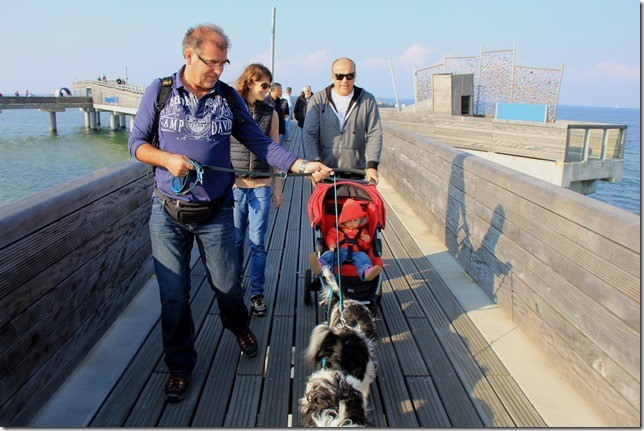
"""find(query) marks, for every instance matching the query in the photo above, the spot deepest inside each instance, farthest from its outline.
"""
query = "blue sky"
(48, 44)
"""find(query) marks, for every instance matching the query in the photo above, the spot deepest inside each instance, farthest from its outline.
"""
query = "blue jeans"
(251, 214)
(171, 247)
(287, 129)
(361, 260)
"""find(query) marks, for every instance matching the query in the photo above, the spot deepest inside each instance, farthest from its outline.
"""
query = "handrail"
(112, 84)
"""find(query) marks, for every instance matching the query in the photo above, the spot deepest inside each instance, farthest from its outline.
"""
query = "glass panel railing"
(593, 142)
(575, 145)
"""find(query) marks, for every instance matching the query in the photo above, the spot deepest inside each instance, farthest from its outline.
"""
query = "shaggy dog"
(337, 394)
(355, 314)
(333, 400)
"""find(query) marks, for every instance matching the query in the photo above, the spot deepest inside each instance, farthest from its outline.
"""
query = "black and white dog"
(333, 399)
(336, 395)
(354, 314)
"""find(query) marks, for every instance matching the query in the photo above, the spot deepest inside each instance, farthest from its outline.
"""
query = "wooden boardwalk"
(434, 368)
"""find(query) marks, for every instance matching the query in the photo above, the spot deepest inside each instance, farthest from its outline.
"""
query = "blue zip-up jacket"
(201, 130)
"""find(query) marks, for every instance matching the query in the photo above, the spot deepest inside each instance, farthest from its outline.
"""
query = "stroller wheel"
(307, 286)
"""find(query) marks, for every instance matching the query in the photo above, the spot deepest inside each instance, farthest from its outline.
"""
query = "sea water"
(33, 159)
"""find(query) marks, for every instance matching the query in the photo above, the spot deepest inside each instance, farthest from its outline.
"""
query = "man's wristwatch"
(302, 166)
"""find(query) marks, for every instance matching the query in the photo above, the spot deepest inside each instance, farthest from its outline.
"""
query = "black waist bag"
(189, 212)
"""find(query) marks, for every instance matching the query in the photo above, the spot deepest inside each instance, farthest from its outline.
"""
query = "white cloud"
(416, 54)
(603, 71)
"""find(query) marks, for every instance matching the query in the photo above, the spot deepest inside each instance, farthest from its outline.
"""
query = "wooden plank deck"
(434, 367)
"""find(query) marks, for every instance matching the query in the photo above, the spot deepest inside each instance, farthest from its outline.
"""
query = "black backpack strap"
(229, 95)
(162, 99)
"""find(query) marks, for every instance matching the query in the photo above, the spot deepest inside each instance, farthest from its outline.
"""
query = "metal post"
(394, 82)
(602, 154)
(512, 77)
(273, 45)
(554, 112)
(586, 148)
(478, 84)
(415, 85)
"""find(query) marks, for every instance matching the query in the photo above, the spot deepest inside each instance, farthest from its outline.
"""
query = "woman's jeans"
(251, 213)
(171, 249)
(361, 260)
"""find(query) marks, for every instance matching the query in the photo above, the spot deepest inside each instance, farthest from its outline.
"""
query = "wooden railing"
(565, 267)
(71, 259)
(563, 141)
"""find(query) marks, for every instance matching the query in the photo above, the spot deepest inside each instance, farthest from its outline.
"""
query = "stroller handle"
(357, 175)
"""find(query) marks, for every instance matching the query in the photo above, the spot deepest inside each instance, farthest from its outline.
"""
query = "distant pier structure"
(91, 97)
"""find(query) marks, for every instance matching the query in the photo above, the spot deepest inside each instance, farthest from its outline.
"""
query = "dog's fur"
(355, 314)
(333, 400)
(337, 394)
(347, 350)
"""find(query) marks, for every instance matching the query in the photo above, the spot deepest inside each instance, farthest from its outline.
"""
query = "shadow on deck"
(434, 367)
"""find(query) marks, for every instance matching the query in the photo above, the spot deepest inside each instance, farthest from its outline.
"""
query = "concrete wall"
(565, 267)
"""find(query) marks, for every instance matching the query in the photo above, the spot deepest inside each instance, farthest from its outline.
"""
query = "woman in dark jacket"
(253, 193)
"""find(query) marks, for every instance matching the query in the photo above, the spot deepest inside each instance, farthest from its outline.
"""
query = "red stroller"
(322, 214)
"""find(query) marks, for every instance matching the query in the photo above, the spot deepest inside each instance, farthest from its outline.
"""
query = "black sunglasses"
(341, 76)
(264, 85)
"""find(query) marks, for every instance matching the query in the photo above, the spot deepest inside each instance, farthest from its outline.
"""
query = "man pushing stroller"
(353, 240)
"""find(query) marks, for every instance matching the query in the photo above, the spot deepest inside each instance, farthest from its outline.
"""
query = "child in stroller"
(352, 238)
(326, 202)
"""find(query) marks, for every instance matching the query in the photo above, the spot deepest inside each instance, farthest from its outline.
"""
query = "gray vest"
(241, 156)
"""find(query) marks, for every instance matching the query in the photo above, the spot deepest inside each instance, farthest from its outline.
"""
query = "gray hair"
(275, 86)
(196, 36)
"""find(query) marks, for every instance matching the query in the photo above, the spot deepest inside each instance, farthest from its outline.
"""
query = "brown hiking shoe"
(247, 342)
(175, 388)
(373, 272)
(315, 263)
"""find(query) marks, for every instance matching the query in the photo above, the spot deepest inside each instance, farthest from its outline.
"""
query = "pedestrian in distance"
(301, 105)
(289, 117)
(194, 130)
(342, 125)
(252, 191)
(275, 100)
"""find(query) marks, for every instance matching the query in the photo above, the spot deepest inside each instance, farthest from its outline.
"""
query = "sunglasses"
(341, 76)
(264, 85)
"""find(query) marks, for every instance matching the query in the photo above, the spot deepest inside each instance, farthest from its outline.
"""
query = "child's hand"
(332, 247)
(366, 237)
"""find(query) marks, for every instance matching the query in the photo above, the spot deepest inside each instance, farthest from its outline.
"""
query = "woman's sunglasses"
(264, 85)
(341, 76)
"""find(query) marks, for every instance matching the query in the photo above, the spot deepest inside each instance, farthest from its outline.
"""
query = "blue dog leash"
(181, 185)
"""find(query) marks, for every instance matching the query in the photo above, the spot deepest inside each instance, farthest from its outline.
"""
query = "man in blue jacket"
(195, 125)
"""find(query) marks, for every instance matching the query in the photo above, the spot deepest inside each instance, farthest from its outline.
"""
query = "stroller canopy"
(324, 193)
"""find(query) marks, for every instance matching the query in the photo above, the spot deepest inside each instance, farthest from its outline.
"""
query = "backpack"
(164, 95)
